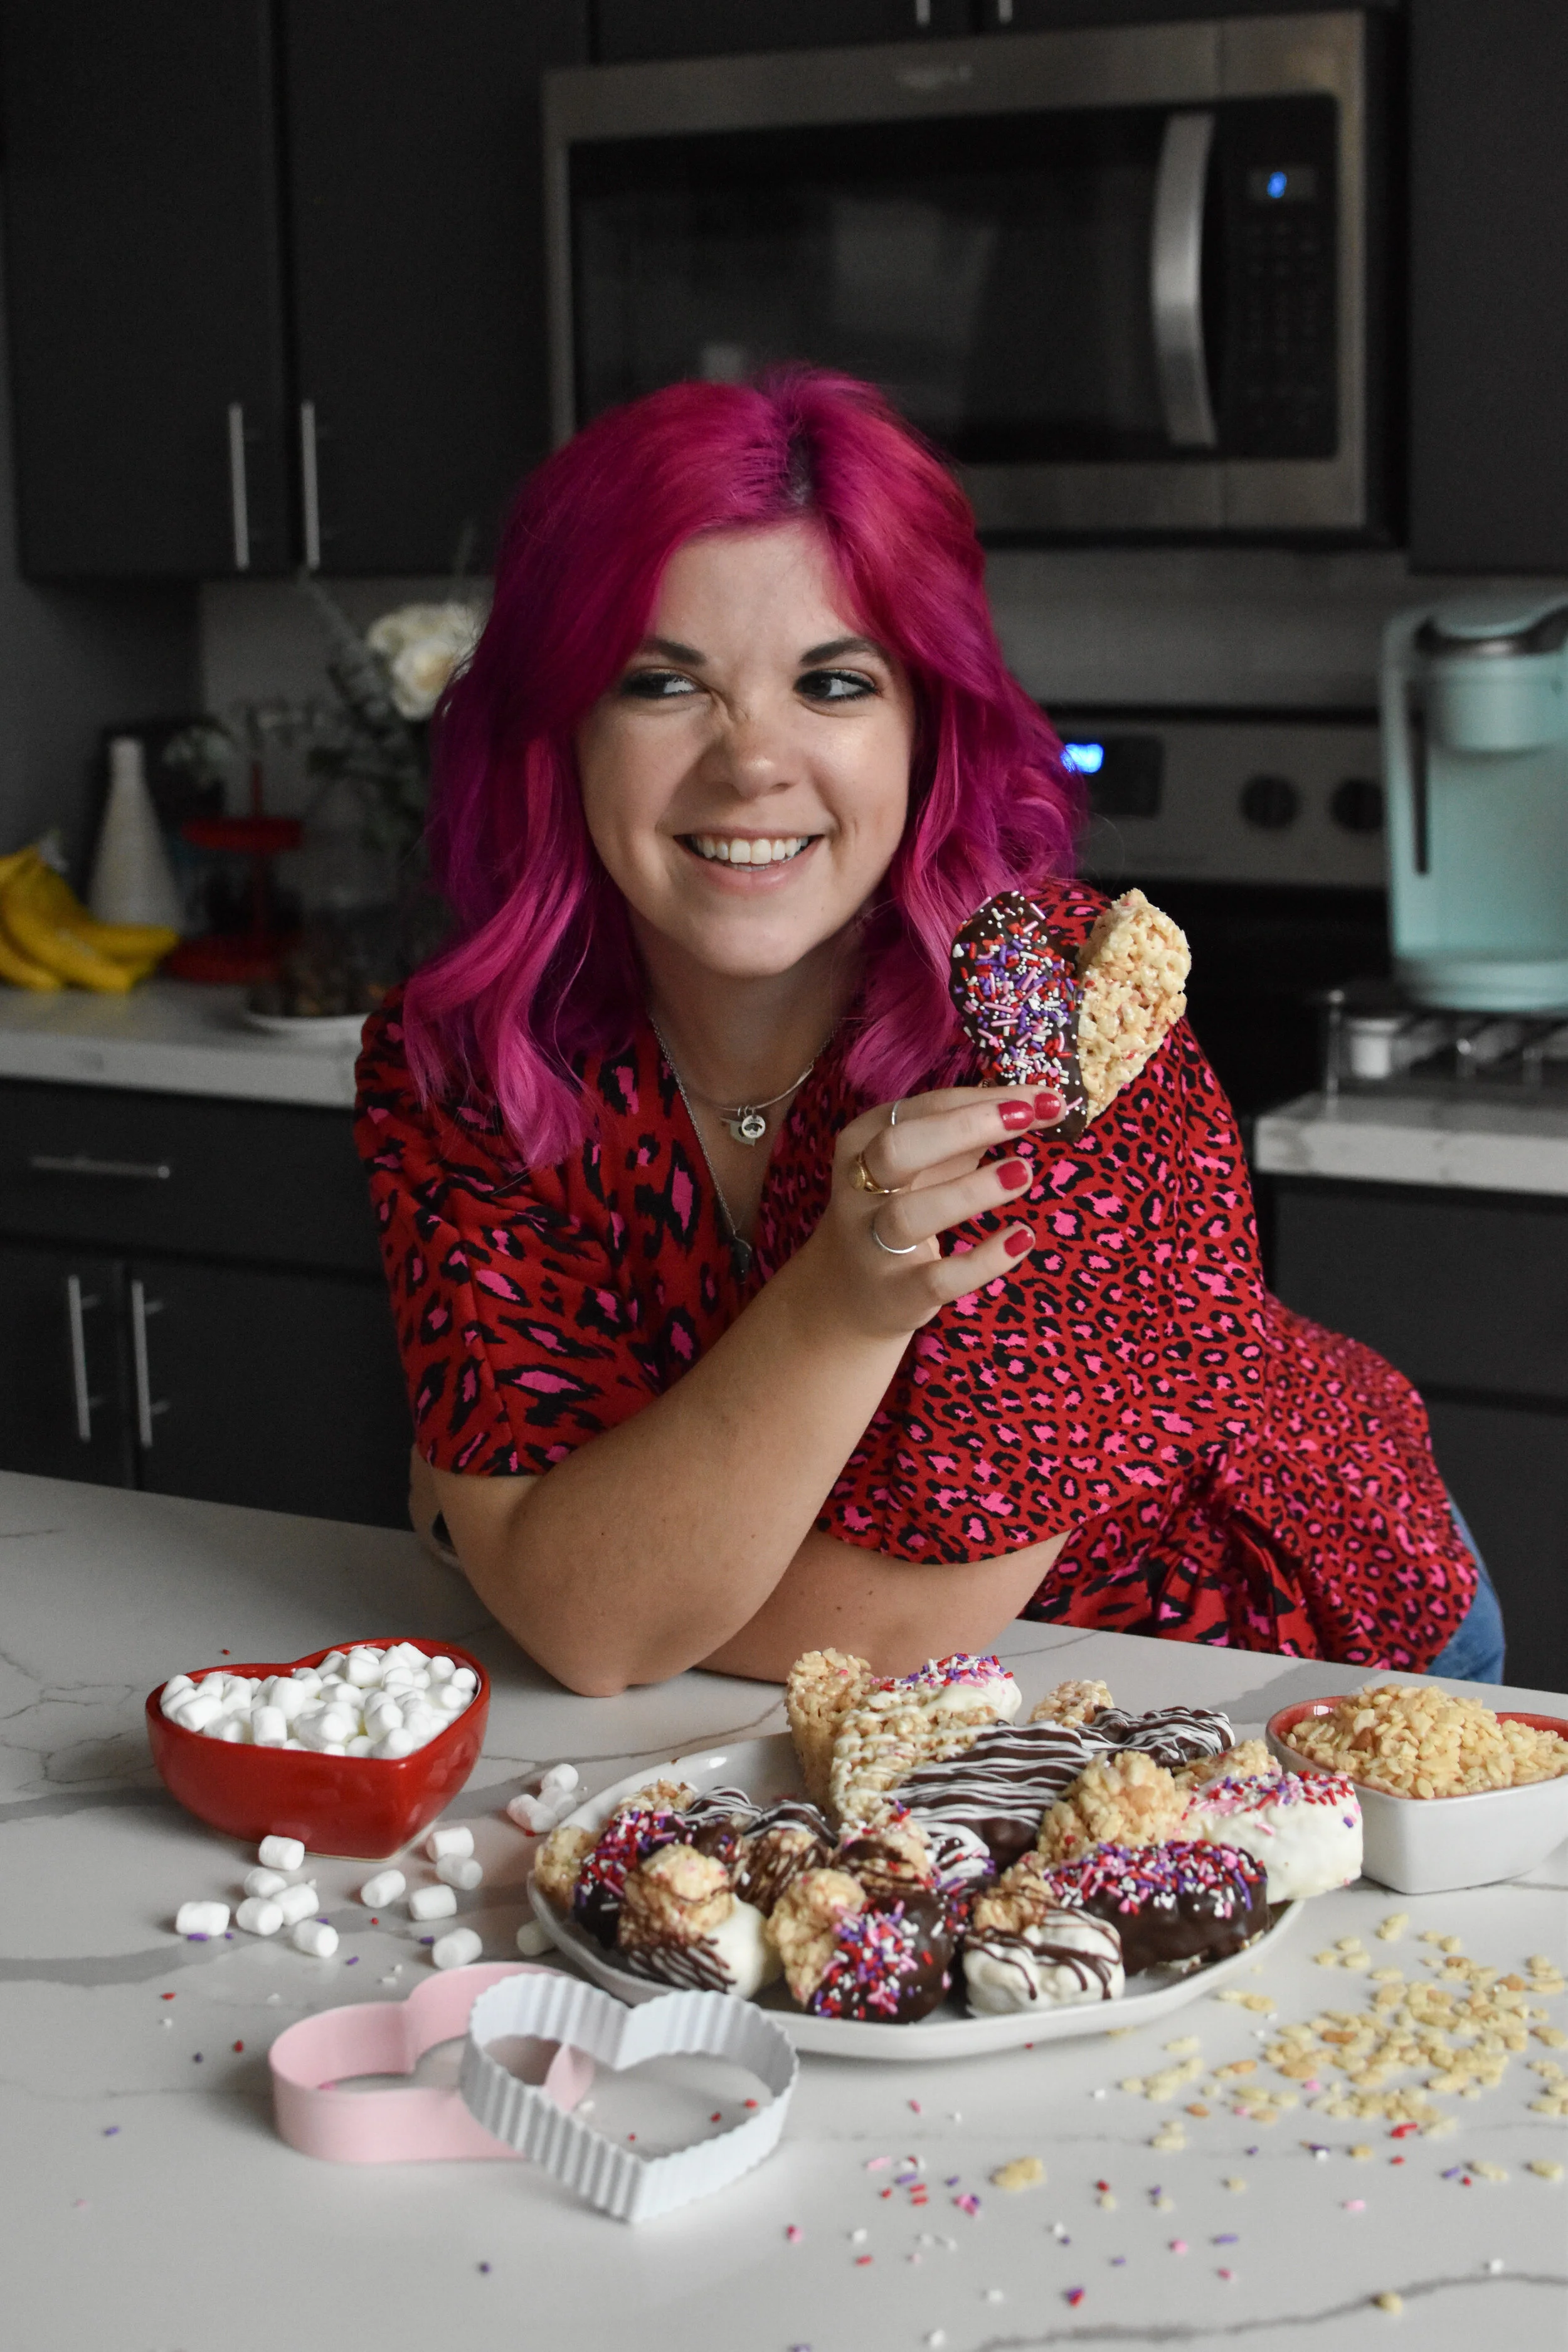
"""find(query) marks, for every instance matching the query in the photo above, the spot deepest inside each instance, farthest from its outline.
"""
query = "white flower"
(422, 645)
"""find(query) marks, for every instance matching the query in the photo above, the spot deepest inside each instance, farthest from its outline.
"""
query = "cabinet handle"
(141, 1307)
(77, 1307)
(238, 494)
(81, 1163)
(310, 487)
(1175, 281)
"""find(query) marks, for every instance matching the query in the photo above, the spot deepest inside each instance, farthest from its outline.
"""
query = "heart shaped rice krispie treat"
(909, 1720)
(1125, 1799)
(1133, 971)
(822, 1686)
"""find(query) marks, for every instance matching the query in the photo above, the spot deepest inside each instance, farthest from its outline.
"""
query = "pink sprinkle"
(1312, 2085)
(861, 2261)
(1355, 2204)
(1178, 2245)
(914, 2107)
(1227, 2274)
(968, 2203)
(877, 2163)
(1074, 2295)
(792, 2235)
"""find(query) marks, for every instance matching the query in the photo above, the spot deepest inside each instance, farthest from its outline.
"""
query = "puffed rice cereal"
(1415, 1741)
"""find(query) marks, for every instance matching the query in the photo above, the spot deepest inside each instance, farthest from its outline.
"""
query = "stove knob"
(1270, 802)
(1357, 804)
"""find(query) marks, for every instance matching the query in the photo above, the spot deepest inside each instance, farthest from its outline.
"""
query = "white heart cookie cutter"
(579, 2017)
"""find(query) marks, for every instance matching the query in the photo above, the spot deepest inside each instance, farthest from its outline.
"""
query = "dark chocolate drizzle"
(1002, 1785)
(691, 1966)
(1171, 1736)
(1007, 1947)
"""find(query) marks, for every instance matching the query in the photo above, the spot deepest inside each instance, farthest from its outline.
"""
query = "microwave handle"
(1176, 281)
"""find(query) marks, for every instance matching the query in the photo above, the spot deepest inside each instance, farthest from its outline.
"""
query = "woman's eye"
(835, 685)
(656, 684)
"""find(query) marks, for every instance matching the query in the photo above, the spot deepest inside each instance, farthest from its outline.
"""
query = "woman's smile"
(750, 854)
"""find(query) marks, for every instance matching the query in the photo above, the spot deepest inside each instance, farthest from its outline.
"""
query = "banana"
(35, 931)
(143, 944)
(21, 970)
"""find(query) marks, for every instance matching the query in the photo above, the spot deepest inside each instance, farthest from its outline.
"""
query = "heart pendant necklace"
(747, 1124)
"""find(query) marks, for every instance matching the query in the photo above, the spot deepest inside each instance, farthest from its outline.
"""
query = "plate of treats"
(912, 1872)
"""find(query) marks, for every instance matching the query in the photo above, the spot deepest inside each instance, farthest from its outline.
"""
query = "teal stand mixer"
(1475, 733)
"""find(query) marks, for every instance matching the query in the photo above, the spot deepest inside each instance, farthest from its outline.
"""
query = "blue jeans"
(1475, 1654)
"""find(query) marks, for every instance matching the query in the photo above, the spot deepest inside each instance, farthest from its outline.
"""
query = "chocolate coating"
(1002, 1785)
(627, 1838)
(1097, 1974)
(1171, 1736)
(890, 1963)
(1016, 989)
(1171, 1902)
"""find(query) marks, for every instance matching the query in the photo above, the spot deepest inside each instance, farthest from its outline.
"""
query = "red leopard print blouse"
(1229, 1473)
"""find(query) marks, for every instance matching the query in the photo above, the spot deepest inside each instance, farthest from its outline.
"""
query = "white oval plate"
(767, 1770)
(307, 1028)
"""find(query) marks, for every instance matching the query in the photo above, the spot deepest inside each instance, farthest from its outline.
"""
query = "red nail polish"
(1049, 1108)
(1012, 1174)
(1019, 1240)
(1016, 1116)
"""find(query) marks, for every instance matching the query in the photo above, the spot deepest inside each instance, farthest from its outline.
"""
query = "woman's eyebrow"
(837, 646)
(673, 650)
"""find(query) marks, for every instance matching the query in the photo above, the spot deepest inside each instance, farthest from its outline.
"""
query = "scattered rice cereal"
(1024, 2172)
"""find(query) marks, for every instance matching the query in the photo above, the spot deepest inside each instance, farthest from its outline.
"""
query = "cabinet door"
(282, 1391)
(415, 183)
(1506, 1467)
(144, 287)
(698, 28)
(62, 1385)
(1489, 234)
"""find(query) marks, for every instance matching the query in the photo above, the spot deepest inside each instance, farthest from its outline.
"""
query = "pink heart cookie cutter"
(317, 2110)
(560, 2009)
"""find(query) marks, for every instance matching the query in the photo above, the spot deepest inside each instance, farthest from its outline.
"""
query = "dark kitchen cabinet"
(275, 278)
(625, 30)
(1488, 290)
(194, 1304)
(1468, 1295)
(144, 288)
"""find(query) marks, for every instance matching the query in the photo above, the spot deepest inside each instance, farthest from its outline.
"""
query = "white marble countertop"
(151, 2206)
(1394, 1139)
(167, 1037)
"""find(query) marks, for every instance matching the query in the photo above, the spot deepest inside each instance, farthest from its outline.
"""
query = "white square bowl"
(1425, 1845)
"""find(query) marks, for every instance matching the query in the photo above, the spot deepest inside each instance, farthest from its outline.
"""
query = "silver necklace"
(747, 1125)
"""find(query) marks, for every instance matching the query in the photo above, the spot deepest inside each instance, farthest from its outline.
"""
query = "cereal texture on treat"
(1305, 1830)
(1072, 1702)
(1249, 1760)
(667, 1796)
(822, 1686)
(1134, 968)
(680, 1925)
(558, 1861)
(1125, 1799)
(1020, 1899)
(1416, 1740)
(776, 1852)
(632, 1833)
(890, 1860)
(913, 1719)
(803, 1926)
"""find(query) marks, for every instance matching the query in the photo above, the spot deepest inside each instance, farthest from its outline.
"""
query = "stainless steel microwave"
(1124, 276)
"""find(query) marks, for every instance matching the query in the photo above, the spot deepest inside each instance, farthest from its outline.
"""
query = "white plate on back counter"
(767, 1770)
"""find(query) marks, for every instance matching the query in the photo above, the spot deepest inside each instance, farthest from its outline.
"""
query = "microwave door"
(1176, 283)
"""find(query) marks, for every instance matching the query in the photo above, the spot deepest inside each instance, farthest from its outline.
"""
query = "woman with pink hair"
(735, 1322)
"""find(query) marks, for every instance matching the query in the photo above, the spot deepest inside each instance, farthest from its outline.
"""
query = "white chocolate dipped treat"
(1304, 1828)
(911, 1720)
(680, 1923)
(1053, 1963)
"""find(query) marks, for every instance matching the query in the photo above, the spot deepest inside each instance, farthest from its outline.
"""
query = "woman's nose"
(750, 754)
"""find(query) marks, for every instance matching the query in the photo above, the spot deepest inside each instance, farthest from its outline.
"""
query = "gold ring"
(864, 1182)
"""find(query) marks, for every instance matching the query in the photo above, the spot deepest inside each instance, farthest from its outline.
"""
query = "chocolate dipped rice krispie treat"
(681, 1924)
(1123, 1800)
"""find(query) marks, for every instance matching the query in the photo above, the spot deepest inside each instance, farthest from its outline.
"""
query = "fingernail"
(1049, 1108)
(1020, 1239)
(1016, 1115)
(1012, 1174)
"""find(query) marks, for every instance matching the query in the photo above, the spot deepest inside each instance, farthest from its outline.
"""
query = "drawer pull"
(77, 1308)
(141, 1307)
(81, 1163)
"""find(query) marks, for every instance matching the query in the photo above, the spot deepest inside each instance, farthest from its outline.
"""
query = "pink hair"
(541, 969)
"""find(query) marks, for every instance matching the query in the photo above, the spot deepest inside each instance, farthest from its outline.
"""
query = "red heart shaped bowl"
(366, 1806)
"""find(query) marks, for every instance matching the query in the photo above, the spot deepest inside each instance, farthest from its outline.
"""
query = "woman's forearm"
(651, 1546)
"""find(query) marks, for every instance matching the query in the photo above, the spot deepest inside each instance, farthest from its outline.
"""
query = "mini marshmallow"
(440, 1669)
(384, 1888)
(233, 1729)
(432, 1902)
(264, 1882)
(459, 1870)
(309, 1679)
(333, 1663)
(206, 1918)
(315, 1938)
(560, 1776)
(396, 1745)
(447, 1844)
(177, 1687)
(364, 1667)
(196, 1714)
(452, 1698)
(465, 1679)
(531, 1939)
(297, 1902)
(269, 1727)
(360, 1745)
(259, 1915)
(281, 1852)
(458, 1949)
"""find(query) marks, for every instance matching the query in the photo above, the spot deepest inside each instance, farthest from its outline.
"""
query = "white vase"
(133, 881)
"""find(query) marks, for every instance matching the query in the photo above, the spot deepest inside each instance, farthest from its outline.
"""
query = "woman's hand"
(902, 1176)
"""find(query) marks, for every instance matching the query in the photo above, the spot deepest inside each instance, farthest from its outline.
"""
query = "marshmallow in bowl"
(385, 1702)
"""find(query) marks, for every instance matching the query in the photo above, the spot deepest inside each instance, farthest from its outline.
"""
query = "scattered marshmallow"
(264, 1882)
(280, 1853)
(531, 1939)
(201, 1919)
(458, 1949)
(297, 1902)
(259, 1916)
(384, 1888)
(432, 1902)
(443, 1844)
(459, 1870)
(535, 1816)
(367, 1701)
(560, 1777)
(316, 1938)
